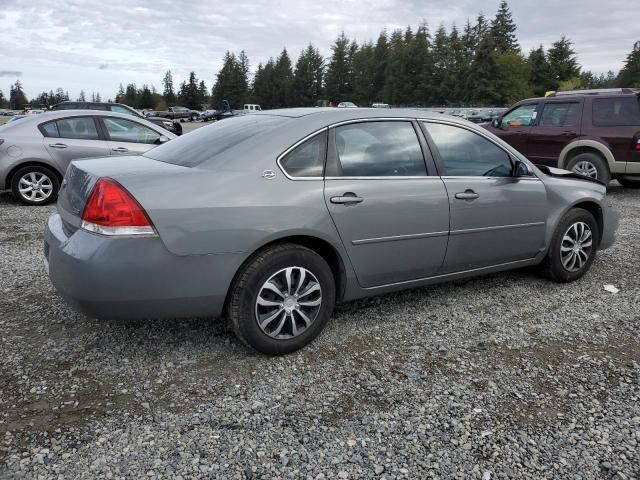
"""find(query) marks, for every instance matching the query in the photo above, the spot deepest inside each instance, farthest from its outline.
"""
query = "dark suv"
(173, 127)
(592, 132)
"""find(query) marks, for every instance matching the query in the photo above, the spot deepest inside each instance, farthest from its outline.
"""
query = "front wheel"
(35, 185)
(573, 247)
(282, 299)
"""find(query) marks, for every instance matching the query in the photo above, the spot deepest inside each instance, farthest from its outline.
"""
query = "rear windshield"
(205, 143)
(616, 112)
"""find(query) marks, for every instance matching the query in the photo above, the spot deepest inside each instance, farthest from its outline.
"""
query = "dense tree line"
(482, 64)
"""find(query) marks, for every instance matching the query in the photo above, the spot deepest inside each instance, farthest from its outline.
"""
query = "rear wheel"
(193, 117)
(282, 299)
(590, 165)
(629, 182)
(35, 185)
(573, 247)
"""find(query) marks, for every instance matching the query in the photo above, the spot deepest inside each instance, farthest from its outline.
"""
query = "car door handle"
(347, 199)
(467, 195)
(57, 145)
(120, 149)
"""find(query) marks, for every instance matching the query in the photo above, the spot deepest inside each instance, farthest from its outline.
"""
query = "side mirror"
(496, 122)
(162, 139)
(520, 169)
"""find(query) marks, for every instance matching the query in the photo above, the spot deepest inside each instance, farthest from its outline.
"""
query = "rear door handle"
(57, 145)
(120, 149)
(467, 195)
(347, 199)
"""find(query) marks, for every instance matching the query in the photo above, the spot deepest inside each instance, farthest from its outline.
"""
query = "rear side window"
(119, 109)
(205, 143)
(560, 115)
(49, 129)
(83, 128)
(307, 159)
(616, 112)
(377, 149)
(467, 154)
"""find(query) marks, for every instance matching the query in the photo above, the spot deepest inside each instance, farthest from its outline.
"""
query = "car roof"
(579, 96)
(332, 114)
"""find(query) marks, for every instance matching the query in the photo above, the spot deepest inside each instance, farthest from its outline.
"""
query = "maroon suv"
(592, 132)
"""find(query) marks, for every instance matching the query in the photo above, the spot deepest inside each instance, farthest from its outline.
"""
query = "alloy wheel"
(288, 303)
(586, 169)
(35, 186)
(576, 246)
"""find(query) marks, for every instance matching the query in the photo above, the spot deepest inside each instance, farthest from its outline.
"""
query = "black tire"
(552, 266)
(594, 159)
(629, 182)
(38, 171)
(193, 117)
(241, 306)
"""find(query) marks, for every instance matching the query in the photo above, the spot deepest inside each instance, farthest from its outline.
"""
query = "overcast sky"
(95, 44)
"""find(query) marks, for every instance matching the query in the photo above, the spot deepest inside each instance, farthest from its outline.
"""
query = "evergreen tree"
(203, 96)
(457, 68)
(363, 73)
(3, 101)
(17, 98)
(380, 57)
(439, 82)
(168, 92)
(145, 98)
(231, 82)
(60, 96)
(307, 77)
(629, 76)
(338, 82)
(395, 74)
(514, 72)
(120, 95)
(81, 97)
(562, 62)
(283, 81)
(263, 92)
(189, 96)
(503, 29)
(93, 96)
(98, 99)
(131, 95)
(541, 78)
(422, 65)
(483, 86)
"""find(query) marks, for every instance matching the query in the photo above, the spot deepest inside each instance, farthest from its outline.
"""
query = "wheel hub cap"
(576, 246)
(35, 186)
(288, 303)
(587, 169)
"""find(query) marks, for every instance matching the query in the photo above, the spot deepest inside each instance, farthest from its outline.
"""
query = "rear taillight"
(111, 210)
(637, 144)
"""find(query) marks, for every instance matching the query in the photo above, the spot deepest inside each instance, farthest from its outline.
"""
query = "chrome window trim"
(295, 145)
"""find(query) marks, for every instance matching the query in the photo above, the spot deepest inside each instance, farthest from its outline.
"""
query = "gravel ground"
(504, 376)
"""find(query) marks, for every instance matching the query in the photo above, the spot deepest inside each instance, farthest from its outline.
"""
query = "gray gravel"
(504, 376)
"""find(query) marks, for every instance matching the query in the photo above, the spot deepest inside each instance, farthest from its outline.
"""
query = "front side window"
(615, 112)
(307, 159)
(560, 115)
(522, 116)
(465, 153)
(83, 128)
(377, 149)
(121, 130)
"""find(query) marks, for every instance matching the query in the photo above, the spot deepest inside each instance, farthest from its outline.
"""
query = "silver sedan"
(272, 218)
(36, 150)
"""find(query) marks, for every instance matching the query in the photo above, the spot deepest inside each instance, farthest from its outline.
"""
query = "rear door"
(392, 216)
(128, 137)
(495, 218)
(557, 125)
(73, 138)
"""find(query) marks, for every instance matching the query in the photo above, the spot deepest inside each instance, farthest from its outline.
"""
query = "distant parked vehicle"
(274, 217)
(380, 105)
(227, 111)
(251, 107)
(36, 150)
(176, 113)
(592, 132)
(347, 105)
(173, 127)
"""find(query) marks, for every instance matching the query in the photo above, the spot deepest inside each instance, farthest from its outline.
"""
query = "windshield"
(205, 143)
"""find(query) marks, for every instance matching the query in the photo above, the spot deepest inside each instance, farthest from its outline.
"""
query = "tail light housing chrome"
(112, 210)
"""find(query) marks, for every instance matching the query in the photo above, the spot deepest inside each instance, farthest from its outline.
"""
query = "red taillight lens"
(638, 145)
(111, 210)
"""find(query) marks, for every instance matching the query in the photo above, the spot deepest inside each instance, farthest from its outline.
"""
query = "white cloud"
(69, 43)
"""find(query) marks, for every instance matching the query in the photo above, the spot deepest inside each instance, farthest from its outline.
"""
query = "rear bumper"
(610, 220)
(128, 278)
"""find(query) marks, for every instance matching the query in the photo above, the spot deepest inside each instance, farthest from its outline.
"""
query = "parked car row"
(272, 218)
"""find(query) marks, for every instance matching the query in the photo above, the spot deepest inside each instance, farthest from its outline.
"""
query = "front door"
(557, 125)
(392, 217)
(515, 126)
(495, 218)
(128, 137)
(73, 138)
